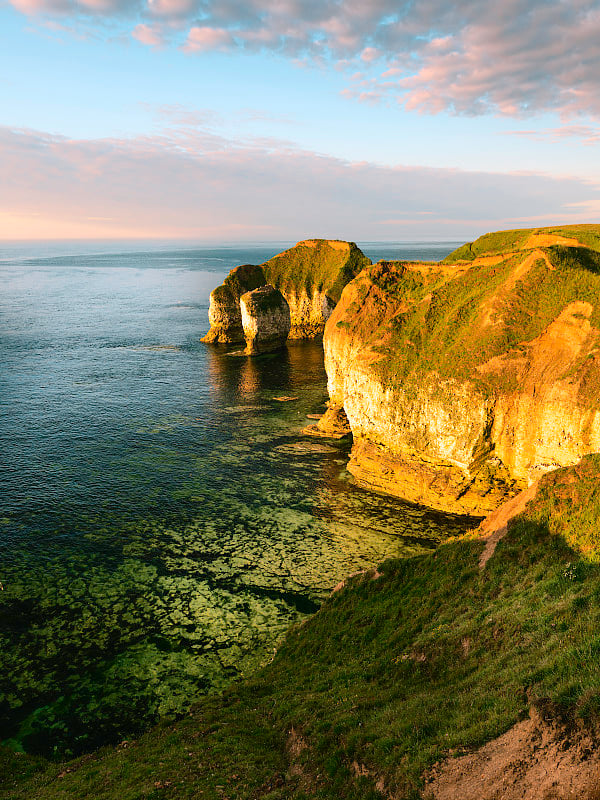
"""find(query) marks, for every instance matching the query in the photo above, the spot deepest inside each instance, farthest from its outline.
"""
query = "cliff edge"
(464, 381)
(224, 312)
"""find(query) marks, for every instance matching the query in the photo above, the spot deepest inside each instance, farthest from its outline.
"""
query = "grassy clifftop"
(310, 275)
(523, 239)
(483, 321)
(240, 280)
(323, 265)
(428, 656)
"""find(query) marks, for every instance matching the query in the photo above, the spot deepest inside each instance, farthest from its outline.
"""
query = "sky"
(278, 120)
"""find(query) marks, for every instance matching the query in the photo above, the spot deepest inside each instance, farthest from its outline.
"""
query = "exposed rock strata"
(464, 381)
(310, 275)
(265, 319)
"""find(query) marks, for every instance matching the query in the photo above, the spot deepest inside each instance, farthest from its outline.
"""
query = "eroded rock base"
(437, 485)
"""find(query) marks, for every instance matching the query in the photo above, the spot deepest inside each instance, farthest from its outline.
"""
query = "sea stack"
(310, 275)
(224, 312)
(265, 316)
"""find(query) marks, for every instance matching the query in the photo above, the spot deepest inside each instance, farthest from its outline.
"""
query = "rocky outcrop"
(310, 275)
(464, 381)
(224, 313)
(332, 425)
(265, 319)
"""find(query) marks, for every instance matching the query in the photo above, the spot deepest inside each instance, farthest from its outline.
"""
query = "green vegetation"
(390, 675)
(509, 241)
(266, 299)
(453, 325)
(242, 279)
(568, 504)
(320, 265)
(435, 655)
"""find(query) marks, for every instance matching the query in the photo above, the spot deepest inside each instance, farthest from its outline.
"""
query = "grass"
(322, 267)
(389, 676)
(265, 301)
(568, 504)
(435, 656)
(240, 280)
(508, 241)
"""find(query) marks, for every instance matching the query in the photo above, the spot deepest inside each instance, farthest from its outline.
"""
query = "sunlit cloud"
(149, 35)
(586, 134)
(202, 38)
(179, 115)
(191, 183)
(172, 8)
(511, 58)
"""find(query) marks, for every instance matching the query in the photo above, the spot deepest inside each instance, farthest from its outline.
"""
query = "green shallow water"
(163, 520)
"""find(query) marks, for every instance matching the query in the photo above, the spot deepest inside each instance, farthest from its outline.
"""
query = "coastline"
(433, 676)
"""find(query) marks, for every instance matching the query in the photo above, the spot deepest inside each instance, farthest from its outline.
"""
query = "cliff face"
(310, 276)
(464, 381)
(265, 319)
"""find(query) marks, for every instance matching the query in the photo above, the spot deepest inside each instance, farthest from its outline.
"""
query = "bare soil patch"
(537, 759)
(550, 239)
(494, 526)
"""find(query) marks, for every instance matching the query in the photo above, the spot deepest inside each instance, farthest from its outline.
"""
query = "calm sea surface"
(162, 519)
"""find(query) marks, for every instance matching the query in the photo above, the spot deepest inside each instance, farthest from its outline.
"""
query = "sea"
(163, 521)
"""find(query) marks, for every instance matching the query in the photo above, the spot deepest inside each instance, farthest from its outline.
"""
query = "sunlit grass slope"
(414, 319)
(315, 265)
(522, 239)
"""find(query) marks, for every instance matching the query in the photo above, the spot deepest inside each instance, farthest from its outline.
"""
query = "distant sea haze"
(163, 521)
(165, 254)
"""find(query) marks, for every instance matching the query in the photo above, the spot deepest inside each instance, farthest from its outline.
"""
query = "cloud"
(205, 38)
(149, 35)
(192, 183)
(587, 134)
(513, 58)
(370, 54)
(177, 115)
(171, 9)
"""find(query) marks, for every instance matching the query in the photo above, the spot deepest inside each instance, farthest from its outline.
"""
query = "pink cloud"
(76, 8)
(149, 35)
(171, 8)
(33, 7)
(196, 184)
(204, 38)
(370, 54)
(587, 134)
(512, 58)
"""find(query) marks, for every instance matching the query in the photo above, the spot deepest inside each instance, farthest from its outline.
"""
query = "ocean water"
(162, 521)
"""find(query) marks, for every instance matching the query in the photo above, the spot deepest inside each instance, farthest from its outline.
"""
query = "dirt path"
(494, 527)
